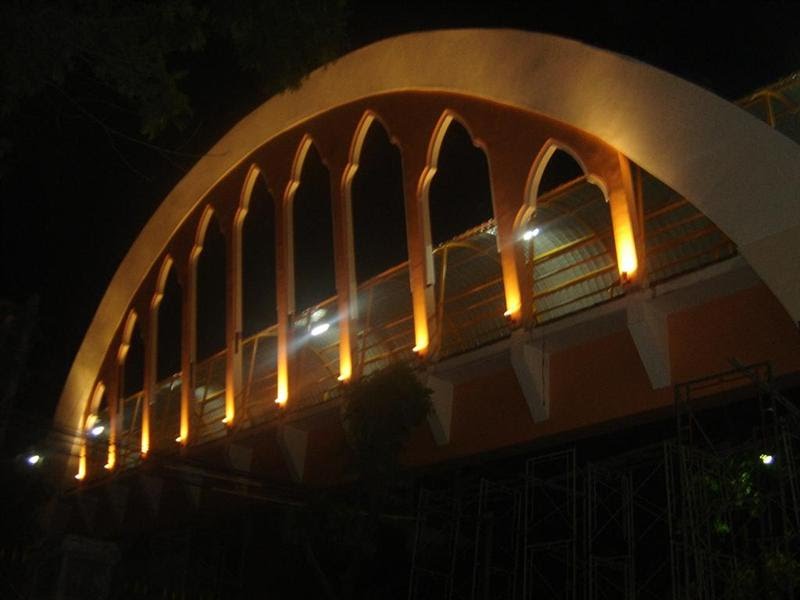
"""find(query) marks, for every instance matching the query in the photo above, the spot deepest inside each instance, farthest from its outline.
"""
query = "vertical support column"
(510, 172)
(233, 321)
(149, 328)
(345, 269)
(284, 282)
(188, 344)
(420, 265)
(623, 219)
(113, 413)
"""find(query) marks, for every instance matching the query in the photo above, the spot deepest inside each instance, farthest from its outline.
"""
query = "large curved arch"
(739, 172)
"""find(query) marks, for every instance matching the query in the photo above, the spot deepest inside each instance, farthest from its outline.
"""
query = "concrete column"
(420, 257)
(531, 364)
(188, 346)
(294, 445)
(345, 266)
(233, 320)
(149, 327)
(649, 330)
(441, 416)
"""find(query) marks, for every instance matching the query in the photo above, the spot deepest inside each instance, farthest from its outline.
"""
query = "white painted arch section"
(738, 171)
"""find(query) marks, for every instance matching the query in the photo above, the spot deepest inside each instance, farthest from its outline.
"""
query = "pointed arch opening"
(377, 203)
(315, 329)
(131, 386)
(96, 430)
(209, 256)
(259, 309)
(567, 236)
(314, 270)
(459, 195)
(468, 274)
(167, 312)
(256, 222)
(210, 315)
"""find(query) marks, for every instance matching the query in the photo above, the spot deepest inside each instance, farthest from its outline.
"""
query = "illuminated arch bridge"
(567, 308)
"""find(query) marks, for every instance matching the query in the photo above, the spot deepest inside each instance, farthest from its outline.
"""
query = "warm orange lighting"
(111, 461)
(145, 437)
(345, 367)
(81, 474)
(626, 248)
(621, 218)
(230, 406)
(183, 435)
(283, 382)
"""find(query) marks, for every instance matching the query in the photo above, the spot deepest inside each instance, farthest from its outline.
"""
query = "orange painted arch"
(738, 171)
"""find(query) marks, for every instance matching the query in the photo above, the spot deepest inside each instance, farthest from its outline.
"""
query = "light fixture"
(320, 329)
(318, 314)
(530, 234)
(767, 459)
(97, 430)
(34, 459)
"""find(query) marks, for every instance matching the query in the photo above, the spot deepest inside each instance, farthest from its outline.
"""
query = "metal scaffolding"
(711, 513)
(550, 527)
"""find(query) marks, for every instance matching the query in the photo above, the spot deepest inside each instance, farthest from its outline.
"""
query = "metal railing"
(572, 263)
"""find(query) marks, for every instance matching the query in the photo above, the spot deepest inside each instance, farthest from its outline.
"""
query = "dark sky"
(74, 202)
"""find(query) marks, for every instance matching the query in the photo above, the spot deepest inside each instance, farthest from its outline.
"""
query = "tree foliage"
(140, 53)
(379, 415)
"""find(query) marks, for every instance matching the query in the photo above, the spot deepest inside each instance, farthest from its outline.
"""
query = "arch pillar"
(277, 166)
(346, 295)
(113, 413)
(187, 272)
(508, 153)
(233, 318)
(614, 170)
(149, 330)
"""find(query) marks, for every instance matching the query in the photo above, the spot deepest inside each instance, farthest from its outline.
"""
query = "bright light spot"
(318, 314)
(767, 459)
(179, 439)
(34, 459)
(79, 476)
(225, 420)
(320, 329)
(108, 466)
(91, 420)
(97, 430)
(530, 234)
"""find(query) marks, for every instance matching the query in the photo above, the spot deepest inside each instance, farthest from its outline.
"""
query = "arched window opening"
(460, 195)
(561, 169)
(259, 309)
(569, 242)
(97, 432)
(314, 272)
(377, 200)
(385, 328)
(165, 412)
(169, 329)
(211, 293)
(132, 400)
(133, 369)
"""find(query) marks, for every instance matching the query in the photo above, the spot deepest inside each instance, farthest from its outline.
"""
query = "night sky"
(76, 197)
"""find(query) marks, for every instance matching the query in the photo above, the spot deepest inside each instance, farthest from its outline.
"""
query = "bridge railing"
(572, 263)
